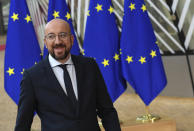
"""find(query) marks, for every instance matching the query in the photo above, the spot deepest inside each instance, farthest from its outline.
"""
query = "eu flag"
(102, 43)
(22, 48)
(59, 9)
(141, 61)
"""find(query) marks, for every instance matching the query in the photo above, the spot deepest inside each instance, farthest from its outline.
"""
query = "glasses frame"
(58, 35)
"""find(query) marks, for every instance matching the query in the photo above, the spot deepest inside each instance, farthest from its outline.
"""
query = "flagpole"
(148, 117)
(147, 110)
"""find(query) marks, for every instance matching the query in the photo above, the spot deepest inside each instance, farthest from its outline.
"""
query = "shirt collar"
(53, 62)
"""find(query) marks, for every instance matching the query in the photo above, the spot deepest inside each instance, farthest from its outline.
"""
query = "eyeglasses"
(62, 36)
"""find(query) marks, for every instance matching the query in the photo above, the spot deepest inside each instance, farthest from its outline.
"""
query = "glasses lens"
(51, 36)
(63, 35)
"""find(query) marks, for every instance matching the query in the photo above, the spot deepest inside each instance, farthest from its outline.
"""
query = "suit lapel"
(52, 80)
(79, 75)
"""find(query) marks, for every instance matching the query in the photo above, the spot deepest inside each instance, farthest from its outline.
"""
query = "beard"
(62, 56)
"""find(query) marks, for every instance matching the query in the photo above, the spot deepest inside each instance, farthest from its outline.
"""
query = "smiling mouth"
(59, 49)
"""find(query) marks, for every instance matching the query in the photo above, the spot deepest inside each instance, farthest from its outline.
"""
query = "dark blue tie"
(68, 84)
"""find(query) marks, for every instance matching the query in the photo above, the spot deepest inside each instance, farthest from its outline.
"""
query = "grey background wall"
(177, 72)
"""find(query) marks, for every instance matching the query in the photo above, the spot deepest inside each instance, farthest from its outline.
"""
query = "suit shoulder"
(84, 59)
(36, 67)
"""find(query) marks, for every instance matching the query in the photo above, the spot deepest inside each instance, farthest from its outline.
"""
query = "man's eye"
(63, 35)
(51, 36)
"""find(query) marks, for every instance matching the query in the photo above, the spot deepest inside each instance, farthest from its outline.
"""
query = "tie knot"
(63, 66)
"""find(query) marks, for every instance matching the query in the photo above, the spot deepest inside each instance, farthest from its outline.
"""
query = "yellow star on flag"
(68, 16)
(56, 14)
(10, 71)
(28, 18)
(22, 71)
(110, 9)
(129, 59)
(143, 8)
(132, 6)
(15, 17)
(153, 53)
(88, 13)
(142, 60)
(105, 62)
(35, 63)
(98, 7)
(156, 42)
(116, 57)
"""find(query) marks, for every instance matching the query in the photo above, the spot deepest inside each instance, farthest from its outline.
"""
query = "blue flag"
(102, 43)
(141, 61)
(22, 48)
(59, 9)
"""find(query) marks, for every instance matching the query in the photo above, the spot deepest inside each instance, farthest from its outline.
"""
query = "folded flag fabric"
(102, 43)
(141, 61)
(22, 48)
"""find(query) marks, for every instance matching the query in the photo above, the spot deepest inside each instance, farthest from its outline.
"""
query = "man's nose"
(57, 39)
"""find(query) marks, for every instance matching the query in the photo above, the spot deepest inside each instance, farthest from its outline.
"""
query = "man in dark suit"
(66, 98)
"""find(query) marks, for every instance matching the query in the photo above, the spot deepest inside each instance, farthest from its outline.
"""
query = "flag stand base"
(148, 118)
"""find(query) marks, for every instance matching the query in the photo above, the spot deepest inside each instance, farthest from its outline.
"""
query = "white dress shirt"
(58, 71)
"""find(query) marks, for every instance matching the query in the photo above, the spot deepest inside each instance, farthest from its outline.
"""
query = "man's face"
(58, 39)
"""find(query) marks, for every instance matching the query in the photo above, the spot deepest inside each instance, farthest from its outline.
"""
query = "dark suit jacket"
(41, 92)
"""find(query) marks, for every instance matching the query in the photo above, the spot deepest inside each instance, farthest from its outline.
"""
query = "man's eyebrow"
(58, 33)
(50, 33)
